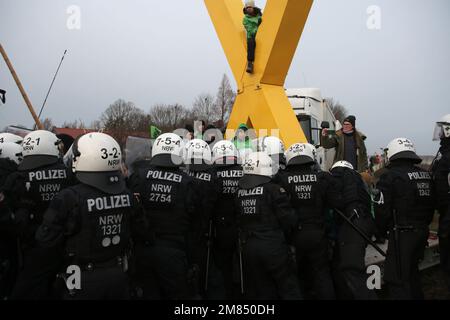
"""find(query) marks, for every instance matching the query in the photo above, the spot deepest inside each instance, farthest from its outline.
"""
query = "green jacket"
(251, 23)
(337, 142)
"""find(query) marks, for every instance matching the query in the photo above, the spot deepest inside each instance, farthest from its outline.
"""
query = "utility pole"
(21, 89)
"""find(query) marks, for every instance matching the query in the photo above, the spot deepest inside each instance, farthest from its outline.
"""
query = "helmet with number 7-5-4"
(9, 137)
(225, 153)
(167, 151)
(198, 155)
(97, 162)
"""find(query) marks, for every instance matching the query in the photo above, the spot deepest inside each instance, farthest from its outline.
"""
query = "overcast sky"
(396, 80)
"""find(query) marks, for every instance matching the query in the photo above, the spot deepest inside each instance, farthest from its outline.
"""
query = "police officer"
(87, 227)
(311, 193)
(168, 198)
(265, 220)
(40, 176)
(441, 175)
(405, 208)
(199, 167)
(350, 249)
(229, 172)
(10, 158)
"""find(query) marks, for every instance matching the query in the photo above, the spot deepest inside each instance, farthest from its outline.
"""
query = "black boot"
(250, 67)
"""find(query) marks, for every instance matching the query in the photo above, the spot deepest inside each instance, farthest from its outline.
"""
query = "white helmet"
(274, 147)
(9, 137)
(402, 148)
(167, 151)
(342, 164)
(225, 152)
(271, 145)
(198, 154)
(40, 148)
(301, 153)
(11, 151)
(258, 169)
(97, 162)
(442, 128)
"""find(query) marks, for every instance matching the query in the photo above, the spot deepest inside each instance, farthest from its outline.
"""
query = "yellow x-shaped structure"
(261, 102)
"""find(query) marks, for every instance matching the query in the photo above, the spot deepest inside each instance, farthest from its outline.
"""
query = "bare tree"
(96, 125)
(339, 110)
(168, 117)
(204, 108)
(224, 100)
(47, 123)
(76, 124)
(122, 118)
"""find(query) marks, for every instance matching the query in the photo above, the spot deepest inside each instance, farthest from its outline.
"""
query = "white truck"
(311, 110)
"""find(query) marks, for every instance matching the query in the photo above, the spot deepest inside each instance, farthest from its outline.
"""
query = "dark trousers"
(197, 254)
(444, 250)
(8, 265)
(269, 273)
(444, 243)
(224, 254)
(251, 47)
(36, 278)
(311, 251)
(349, 262)
(162, 271)
(403, 281)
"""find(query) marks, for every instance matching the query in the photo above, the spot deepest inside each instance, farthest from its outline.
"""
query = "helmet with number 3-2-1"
(97, 160)
(300, 153)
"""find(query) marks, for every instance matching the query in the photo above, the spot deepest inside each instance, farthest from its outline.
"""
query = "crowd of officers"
(196, 223)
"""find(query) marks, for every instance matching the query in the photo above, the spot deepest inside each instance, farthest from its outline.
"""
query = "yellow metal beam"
(261, 101)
